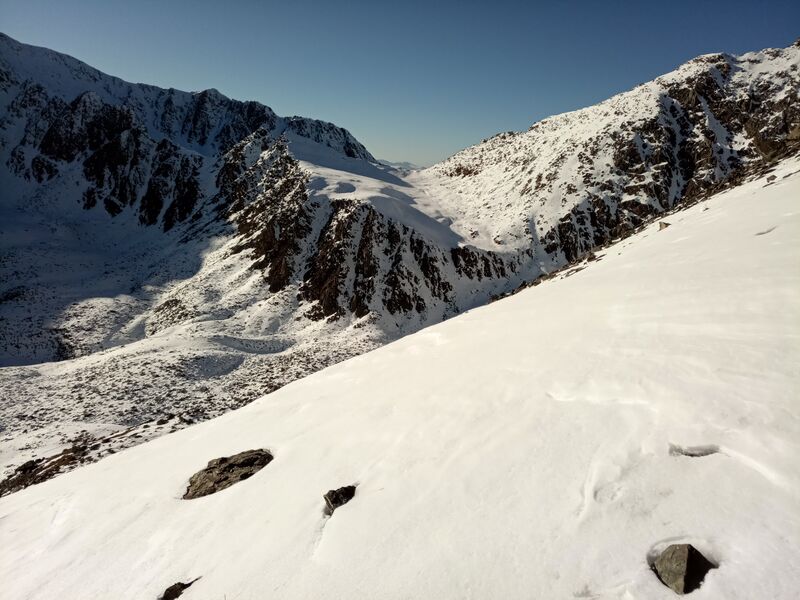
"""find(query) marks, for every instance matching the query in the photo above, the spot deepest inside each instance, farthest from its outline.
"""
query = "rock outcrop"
(586, 177)
(36, 471)
(222, 473)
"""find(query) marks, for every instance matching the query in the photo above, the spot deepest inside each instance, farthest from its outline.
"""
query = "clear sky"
(413, 80)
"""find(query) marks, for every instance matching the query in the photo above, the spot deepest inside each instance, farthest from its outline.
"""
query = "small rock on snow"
(175, 590)
(336, 498)
(682, 568)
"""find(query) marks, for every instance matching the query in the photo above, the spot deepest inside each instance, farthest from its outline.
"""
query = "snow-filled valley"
(543, 446)
(168, 256)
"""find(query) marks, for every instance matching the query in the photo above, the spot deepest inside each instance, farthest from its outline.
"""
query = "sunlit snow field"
(527, 449)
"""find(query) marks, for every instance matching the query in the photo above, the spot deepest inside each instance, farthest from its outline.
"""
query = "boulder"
(682, 568)
(223, 472)
(336, 498)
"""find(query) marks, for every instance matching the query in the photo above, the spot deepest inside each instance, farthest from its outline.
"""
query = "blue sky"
(412, 80)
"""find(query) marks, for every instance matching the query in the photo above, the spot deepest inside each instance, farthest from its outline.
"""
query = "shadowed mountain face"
(180, 254)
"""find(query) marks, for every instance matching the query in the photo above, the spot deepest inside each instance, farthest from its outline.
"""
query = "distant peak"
(210, 92)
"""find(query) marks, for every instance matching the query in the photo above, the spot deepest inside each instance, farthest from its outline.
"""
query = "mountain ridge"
(178, 113)
(244, 252)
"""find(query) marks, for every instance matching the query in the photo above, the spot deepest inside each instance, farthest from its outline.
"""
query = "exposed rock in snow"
(222, 473)
(175, 590)
(682, 568)
(573, 181)
(42, 469)
(339, 497)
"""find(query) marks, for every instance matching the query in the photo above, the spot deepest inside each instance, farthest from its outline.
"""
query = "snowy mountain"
(404, 165)
(577, 180)
(168, 256)
(549, 445)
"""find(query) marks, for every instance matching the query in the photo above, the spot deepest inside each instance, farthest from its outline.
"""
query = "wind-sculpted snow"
(551, 445)
(166, 256)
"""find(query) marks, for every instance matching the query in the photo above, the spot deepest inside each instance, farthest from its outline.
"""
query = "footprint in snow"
(751, 463)
(693, 451)
(333, 499)
(605, 480)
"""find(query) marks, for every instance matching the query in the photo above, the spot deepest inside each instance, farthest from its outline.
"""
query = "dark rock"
(336, 498)
(175, 590)
(27, 467)
(682, 568)
(223, 472)
(41, 469)
(326, 274)
(275, 221)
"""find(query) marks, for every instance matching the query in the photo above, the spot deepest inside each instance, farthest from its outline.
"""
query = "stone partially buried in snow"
(682, 568)
(336, 498)
(223, 472)
(176, 590)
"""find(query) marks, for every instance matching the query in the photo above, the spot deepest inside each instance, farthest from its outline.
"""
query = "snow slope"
(164, 258)
(526, 449)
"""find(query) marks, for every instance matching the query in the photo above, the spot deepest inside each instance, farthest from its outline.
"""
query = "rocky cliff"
(577, 180)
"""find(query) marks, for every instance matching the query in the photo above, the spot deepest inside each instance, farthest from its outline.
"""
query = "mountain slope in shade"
(168, 256)
(497, 455)
(139, 218)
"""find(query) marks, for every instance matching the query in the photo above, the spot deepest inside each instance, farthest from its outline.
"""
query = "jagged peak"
(767, 61)
(166, 111)
(212, 92)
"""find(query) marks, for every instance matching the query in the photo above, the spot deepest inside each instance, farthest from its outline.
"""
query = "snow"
(525, 449)
(94, 284)
(102, 279)
(501, 200)
(387, 193)
(99, 285)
